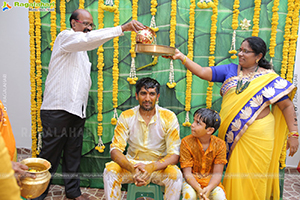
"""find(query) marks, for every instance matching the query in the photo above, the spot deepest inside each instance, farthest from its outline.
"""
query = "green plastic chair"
(151, 191)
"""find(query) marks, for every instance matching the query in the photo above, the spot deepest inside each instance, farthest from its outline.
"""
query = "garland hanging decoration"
(212, 48)
(33, 108)
(172, 83)
(53, 25)
(289, 52)
(115, 67)
(62, 8)
(132, 75)
(153, 11)
(274, 23)
(38, 76)
(287, 35)
(256, 18)
(189, 78)
(110, 7)
(100, 146)
(81, 4)
(235, 25)
(203, 4)
(245, 24)
(293, 42)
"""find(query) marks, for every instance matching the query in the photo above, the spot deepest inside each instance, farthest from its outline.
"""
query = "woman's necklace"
(240, 87)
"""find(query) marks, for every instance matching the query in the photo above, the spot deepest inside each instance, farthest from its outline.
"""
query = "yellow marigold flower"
(187, 124)
(233, 57)
(113, 121)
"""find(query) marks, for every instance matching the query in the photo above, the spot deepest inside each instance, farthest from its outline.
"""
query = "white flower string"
(109, 2)
(115, 118)
(171, 83)
(232, 48)
(132, 75)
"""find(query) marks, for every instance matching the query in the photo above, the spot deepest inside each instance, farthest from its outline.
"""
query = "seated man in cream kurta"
(152, 134)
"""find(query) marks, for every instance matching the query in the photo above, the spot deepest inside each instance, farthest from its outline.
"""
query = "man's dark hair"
(210, 117)
(74, 16)
(147, 83)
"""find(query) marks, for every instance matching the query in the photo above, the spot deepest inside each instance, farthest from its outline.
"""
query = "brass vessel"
(32, 188)
(156, 50)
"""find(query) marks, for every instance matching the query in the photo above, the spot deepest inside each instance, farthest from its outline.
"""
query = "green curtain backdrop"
(93, 162)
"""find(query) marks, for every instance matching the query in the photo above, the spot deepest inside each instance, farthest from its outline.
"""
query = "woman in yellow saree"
(254, 134)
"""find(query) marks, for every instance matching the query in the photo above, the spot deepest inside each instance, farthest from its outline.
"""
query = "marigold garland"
(275, 18)
(293, 41)
(62, 9)
(256, 18)
(289, 51)
(81, 4)
(212, 48)
(53, 25)
(33, 108)
(172, 83)
(132, 76)
(38, 76)
(235, 25)
(286, 43)
(115, 68)
(100, 146)
(189, 77)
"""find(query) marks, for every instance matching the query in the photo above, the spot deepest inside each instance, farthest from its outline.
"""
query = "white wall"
(14, 71)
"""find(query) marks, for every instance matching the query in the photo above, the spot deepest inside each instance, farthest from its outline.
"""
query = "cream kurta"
(147, 143)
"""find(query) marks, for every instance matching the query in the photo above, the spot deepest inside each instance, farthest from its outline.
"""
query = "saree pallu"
(253, 146)
(7, 134)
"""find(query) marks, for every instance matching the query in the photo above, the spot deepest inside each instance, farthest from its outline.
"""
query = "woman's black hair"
(259, 46)
(210, 117)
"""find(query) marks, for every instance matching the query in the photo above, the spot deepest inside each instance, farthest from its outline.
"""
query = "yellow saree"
(253, 146)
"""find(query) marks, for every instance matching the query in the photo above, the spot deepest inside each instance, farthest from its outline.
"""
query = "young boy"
(202, 158)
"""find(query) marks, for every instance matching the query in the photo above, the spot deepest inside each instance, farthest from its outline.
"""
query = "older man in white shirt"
(66, 95)
(152, 135)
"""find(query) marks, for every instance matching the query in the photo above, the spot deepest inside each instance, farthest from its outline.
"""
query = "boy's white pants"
(188, 192)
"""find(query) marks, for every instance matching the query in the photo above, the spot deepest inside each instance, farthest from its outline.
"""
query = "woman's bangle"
(184, 60)
(294, 134)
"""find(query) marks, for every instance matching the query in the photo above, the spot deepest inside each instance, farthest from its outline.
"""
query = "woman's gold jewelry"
(294, 134)
(240, 87)
(257, 60)
(184, 60)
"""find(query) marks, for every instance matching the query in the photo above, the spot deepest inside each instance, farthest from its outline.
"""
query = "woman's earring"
(257, 60)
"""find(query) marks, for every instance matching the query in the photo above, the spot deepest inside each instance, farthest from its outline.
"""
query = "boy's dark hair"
(147, 83)
(210, 117)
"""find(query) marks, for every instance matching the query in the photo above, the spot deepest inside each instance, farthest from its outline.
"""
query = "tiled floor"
(291, 189)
